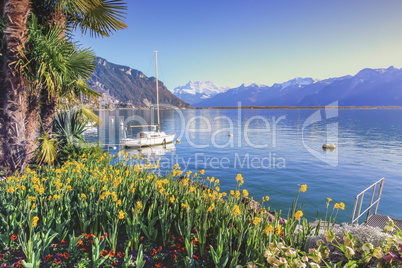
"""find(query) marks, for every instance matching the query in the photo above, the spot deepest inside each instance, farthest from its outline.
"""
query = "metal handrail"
(360, 198)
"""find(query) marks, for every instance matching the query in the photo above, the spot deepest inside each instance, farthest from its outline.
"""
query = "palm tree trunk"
(15, 14)
(48, 110)
(32, 125)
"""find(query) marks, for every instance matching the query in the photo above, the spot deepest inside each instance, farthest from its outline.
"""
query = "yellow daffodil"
(121, 215)
(268, 229)
(256, 220)
(303, 188)
(35, 221)
(340, 205)
(236, 210)
(298, 214)
(245, 193)
(211, 207)
(279, 229)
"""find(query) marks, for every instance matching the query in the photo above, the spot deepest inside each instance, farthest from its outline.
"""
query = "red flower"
(48, 257)
(120, 254)
(111, 253)
(153, 252)
(174, 256)
(181, 239)
(63, 242)
(57, 261)
(66, 255)
(89, 236)
(158, 265)
(1, 256)
(207, 248)
(14, 237)
(104, 253)
(196, 257)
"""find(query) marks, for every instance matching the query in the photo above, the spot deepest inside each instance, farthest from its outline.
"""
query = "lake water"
(278, 150)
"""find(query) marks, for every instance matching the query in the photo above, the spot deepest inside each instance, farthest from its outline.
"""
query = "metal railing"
(360, 198)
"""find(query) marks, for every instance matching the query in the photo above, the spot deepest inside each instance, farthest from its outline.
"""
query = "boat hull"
(145, 142)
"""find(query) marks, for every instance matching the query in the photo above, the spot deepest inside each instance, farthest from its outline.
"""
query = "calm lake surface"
(278, 150)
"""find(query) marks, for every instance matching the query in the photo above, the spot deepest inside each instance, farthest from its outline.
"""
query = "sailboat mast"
(157, 90)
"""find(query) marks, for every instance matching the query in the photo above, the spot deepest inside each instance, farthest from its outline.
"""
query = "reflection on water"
(273, 149)
(153, 152)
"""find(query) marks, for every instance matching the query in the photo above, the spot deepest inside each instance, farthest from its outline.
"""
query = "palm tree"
(57, 67)
(99, 17)
(15, 15)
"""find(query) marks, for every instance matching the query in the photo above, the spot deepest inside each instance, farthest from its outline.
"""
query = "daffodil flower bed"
(88, 213)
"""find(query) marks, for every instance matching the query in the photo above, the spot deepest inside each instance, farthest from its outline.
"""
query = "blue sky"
(230, 42)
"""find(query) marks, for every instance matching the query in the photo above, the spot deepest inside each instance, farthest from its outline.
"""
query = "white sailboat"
(153, 137)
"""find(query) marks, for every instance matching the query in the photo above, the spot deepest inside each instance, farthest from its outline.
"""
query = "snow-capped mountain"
(196, 91)
(296, 81)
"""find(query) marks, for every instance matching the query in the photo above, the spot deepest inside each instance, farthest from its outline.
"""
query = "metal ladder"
(357, 214)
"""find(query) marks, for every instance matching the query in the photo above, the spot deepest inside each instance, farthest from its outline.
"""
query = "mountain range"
(122, 85)
(369, 87)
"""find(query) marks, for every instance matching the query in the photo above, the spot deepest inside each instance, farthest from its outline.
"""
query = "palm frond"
(47, 151)
(56, 64)
(99, 17)
(88, 113)
(71, 124)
